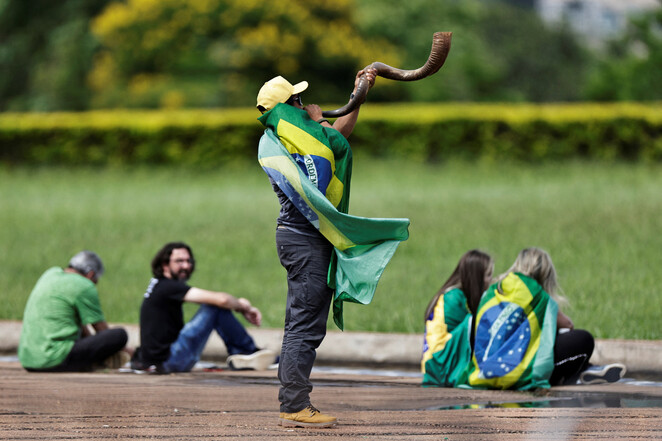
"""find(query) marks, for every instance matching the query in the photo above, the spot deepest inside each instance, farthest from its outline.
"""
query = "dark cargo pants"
(306, 260)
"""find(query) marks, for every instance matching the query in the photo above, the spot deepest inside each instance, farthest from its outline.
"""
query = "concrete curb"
(375, 349)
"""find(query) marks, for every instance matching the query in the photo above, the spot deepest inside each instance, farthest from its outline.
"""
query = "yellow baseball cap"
(278, 90)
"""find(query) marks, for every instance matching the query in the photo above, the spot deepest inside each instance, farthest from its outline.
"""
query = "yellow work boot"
(308, 417)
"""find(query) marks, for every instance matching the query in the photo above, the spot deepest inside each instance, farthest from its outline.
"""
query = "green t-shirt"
(57, 307)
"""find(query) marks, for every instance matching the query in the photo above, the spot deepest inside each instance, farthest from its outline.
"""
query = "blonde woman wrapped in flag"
(330, 256)
(523, 340)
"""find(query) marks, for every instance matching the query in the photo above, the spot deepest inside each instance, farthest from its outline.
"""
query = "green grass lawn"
(601, 223)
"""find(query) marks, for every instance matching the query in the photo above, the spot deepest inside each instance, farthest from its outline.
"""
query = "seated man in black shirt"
(169, 345)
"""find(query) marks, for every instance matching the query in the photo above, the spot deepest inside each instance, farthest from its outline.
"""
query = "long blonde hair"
(537, 264)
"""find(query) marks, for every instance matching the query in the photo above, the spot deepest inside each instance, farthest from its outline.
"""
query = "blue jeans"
(185, 351)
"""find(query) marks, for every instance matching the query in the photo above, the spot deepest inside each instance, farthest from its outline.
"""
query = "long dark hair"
(469, 276)
(163, 257)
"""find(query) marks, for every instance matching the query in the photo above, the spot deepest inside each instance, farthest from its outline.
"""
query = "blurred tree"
(46, 52)
(631, 68)
(500, 52)
(219, 52)
(201, 53)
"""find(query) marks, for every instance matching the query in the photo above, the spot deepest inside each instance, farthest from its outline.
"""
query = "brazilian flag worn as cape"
(446, 343)
(312, 165)
(515, 334)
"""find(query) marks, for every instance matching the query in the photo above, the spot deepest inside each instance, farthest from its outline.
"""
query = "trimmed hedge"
(427, 133)
(194, 138)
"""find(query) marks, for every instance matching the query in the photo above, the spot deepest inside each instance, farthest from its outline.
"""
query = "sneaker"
(259, 360)
(138, 365)
(609, 373)
(308, 417)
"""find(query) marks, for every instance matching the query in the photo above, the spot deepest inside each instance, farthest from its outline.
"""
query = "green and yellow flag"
(515, 330)
(446, 342)
(312, 165)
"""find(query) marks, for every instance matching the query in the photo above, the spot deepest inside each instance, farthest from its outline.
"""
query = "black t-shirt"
(290, 216)
(161, 318)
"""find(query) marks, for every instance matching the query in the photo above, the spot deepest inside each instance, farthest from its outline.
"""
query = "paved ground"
(243, 405)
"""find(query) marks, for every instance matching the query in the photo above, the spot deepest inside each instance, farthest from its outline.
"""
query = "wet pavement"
(369, 403)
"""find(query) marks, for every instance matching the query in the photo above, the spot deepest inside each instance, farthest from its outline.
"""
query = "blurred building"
(595, 20)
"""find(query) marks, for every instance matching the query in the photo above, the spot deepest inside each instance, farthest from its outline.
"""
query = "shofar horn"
(441, 44)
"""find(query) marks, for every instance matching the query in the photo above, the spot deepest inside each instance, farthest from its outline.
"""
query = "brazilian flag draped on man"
(312, 165)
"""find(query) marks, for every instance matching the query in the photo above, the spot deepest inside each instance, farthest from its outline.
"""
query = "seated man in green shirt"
(55, 336)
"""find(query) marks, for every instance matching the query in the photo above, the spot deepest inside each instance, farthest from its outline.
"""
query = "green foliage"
(599, 221)
(193, 138)
(82, 54)
(155, 50)
(422, 133)
(631, 68)
(499, 52)
(46, 52)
